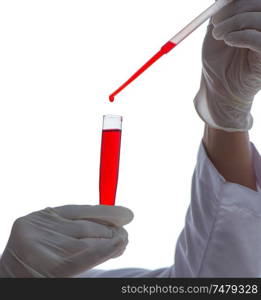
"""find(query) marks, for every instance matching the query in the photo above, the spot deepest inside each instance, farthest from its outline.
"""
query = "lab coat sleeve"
(127, 273)
(222, 232)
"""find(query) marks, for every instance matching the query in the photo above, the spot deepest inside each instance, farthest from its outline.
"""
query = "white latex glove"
(231, 75)
(64, 241)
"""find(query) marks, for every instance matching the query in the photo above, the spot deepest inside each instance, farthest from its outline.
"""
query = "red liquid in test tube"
(110, 158)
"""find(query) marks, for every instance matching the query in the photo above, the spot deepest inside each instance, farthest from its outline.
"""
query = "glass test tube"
(110, 158)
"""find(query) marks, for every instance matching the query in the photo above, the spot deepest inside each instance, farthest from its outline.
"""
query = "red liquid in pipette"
(164, 50)
(109, 165)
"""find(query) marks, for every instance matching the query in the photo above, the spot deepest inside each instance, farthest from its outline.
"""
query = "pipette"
(173, 42)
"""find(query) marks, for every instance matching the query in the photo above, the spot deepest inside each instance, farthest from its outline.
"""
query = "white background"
(59, 61)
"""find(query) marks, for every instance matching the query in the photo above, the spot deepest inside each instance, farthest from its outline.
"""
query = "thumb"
(250, 39)
(109, 215)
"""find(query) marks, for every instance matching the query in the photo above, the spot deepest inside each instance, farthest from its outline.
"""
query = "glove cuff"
(11, 266)
(214, 112)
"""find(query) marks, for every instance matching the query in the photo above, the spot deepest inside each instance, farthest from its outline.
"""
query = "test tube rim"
(112, 116)
(116, 118)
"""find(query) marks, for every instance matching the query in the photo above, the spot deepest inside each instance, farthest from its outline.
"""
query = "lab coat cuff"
(228, 193)
(207, 174)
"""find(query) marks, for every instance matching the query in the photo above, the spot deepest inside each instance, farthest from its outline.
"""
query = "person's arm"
(221, 237)
(231, 154)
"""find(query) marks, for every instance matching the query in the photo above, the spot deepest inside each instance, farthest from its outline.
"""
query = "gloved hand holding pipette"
(64, 241)
(231, 74)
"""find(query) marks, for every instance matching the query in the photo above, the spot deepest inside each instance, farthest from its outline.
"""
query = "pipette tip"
(111, 97)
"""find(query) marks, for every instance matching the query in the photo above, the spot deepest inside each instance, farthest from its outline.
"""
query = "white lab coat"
(222, 233)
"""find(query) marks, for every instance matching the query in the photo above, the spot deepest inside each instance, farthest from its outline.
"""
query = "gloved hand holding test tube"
(173, 42)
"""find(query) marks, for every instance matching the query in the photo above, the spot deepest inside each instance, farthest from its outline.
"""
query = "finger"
(236, 7)
(59, 245)
(83, 229)
(109, 215)
(66, 246)
(111, 247)
(239, 22)
(94, 252)
(121, 250)
(112, 215)
(73, 228)
(250, 39)
(64, 256)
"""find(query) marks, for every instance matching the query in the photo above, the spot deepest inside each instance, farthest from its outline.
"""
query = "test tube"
(110, 158)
